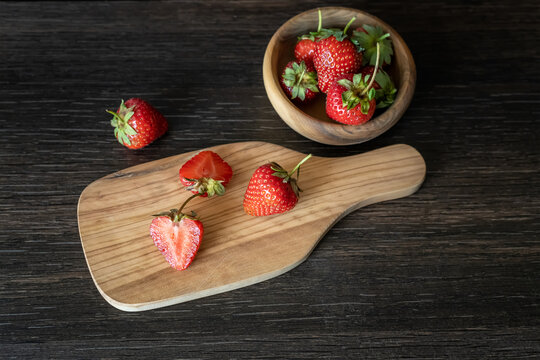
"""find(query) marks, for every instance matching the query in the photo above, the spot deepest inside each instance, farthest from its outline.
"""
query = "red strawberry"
(206, 174)
(335, 55)
(306, 46)
(271, 190)
(305, 50)
(299, 81)
(351, 100)
(367, 37)
(137, 124)
(385, 90)
(177, 236)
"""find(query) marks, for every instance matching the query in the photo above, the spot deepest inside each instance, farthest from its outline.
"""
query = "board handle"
(355, 181)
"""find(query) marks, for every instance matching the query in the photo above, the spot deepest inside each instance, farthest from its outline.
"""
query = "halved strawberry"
(178, 237)
(206, 174)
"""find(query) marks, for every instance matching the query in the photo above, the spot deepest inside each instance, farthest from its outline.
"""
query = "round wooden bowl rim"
(336, 133)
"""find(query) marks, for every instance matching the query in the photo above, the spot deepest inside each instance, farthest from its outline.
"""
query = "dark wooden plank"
(451, 272)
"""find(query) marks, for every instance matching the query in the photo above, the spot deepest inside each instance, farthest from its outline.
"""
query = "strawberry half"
(351, 100)
(299, 81)
(206, 174)
(136, 123)
(367, 37)
(177, 236)
(272, 190)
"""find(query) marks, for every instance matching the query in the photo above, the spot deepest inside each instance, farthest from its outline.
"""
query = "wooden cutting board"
(237, 250)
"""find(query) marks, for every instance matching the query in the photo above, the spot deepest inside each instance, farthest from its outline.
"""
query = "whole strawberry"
(351, 100)
(206, 174)
(137, 124)
(367, 37)
(305, 50)
(272, 190)
(335, 55)
(385, 90)
(177, 236)
(306, 45)
(299, 81)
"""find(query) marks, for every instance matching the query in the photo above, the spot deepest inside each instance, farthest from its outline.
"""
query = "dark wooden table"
(450, 272)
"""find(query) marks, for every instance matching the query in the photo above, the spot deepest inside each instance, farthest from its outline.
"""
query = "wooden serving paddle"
(237, 250)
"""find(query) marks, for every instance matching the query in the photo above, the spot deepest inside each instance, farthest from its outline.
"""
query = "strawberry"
(305, 50)
(299, 81)
(306, 45)
(385, 90)
(177, 236)
(271, 190)
(335, 55)
(367, 37)
(137, 124)
(350, 100)
(206, 174)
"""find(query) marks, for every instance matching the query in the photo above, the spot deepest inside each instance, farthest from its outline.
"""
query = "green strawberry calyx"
(177, 215)
(288, 176)
(120, 122)
(207, 186)
(356, 94)
(386, 95)
(368, 40)
(299, 80)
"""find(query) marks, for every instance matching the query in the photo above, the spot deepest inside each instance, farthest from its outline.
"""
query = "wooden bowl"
(311, 120)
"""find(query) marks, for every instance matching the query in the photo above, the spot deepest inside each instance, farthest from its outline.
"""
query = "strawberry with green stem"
(136, 123)
(272, 190)
(177, 235)
(351, 99)
(299, 81)
(335, 55)
(306, 45)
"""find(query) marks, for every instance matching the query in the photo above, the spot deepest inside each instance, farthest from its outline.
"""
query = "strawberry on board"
(206, 174)
(351, 100)
(177, 236)
(272, 190)
(335, 55)
(306, 45)
(367, 37)
(136, 123)
(299, 81)
(385, 90)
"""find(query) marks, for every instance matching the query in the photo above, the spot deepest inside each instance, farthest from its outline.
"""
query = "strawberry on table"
(385, 90)
(367, 37)
(335, 55)
(272, 190)
(178, 236)
(206, 174)
(136, 123)
(299, 81)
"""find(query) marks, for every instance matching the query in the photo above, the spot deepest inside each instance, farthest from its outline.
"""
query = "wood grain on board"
(237, 249)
